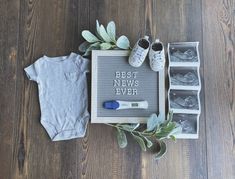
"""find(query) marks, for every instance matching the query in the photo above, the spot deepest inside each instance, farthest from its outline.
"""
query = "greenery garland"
(104, 39)
(154, 133)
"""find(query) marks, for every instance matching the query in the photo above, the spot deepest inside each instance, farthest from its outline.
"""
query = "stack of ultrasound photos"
(184, 87)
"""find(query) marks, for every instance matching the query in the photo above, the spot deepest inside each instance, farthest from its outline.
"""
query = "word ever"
(125, 83)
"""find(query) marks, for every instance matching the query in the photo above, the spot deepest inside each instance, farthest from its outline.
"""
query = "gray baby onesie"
(63, 98)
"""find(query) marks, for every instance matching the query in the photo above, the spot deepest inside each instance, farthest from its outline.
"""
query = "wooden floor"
(31, 28)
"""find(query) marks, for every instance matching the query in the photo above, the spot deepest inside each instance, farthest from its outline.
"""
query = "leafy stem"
(157, 129)
(121, 127)
(103, 39)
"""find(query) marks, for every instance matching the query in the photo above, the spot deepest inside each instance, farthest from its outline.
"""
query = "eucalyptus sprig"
(104, 39)
(157, 130)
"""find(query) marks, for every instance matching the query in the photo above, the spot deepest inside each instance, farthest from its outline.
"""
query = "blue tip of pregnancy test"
(111, 105)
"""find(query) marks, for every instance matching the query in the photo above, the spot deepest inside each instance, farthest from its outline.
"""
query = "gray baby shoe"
(157, 56)
(139, 52)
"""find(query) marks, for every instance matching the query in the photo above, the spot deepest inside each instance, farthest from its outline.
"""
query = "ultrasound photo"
(184, 76)
(184, 100)
(188, 122)
(183, 54)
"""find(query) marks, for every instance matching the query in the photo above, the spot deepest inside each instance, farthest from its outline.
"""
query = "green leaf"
(98, 30)
(148, 142)
(111, 30)
(104, 34)
(154, 121)
(123, 42)
(121, 138)
(170, 116)
(165, 131)
(105, 46)
(140, 141)
(84, 46)
(89, 37)
(135, 126)
(161, 135)
(168, 119)
(162, 150)
(94, 46)
(176, 130)
(87, 53)
(97, 26)
(173, 137)
(170, 126)
(130, 127)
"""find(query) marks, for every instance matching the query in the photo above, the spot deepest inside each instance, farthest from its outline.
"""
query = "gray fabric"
(62, 94)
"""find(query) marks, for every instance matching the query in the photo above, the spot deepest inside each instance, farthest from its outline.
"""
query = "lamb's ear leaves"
(94, 46)
(83, 46)
(104, 34)
(140, 141)
(89, 37)
(87, 53)
(130, 127)
(111, 30)
(154, 121)
(173, 138)
(121, 138)
(123, 42)
(148, 142)
(97, 33)
(168, 119)
(162, 150)
(176, 130)
(105, 46)
(97, 26)
(165, 131)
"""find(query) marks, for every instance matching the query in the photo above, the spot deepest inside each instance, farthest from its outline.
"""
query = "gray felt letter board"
(114, 79)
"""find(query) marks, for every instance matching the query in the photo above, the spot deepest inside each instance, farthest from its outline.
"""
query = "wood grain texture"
(219, 49)
(31, 28)
(46, 28)
(181, 21)
(115, 163)
(9, 32)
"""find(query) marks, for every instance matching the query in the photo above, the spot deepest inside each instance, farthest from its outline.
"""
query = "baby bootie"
(157, 56)
(139, 52)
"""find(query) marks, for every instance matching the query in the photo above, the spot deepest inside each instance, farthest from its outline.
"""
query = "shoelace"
(159, 55)
(138, 53)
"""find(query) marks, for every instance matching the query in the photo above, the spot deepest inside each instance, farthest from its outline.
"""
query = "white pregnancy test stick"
(117, 104)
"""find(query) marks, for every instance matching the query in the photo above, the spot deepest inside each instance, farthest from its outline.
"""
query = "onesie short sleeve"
(32, 71)
(63, 97)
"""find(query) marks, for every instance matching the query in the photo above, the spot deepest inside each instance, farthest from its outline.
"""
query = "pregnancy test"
(116, 104)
